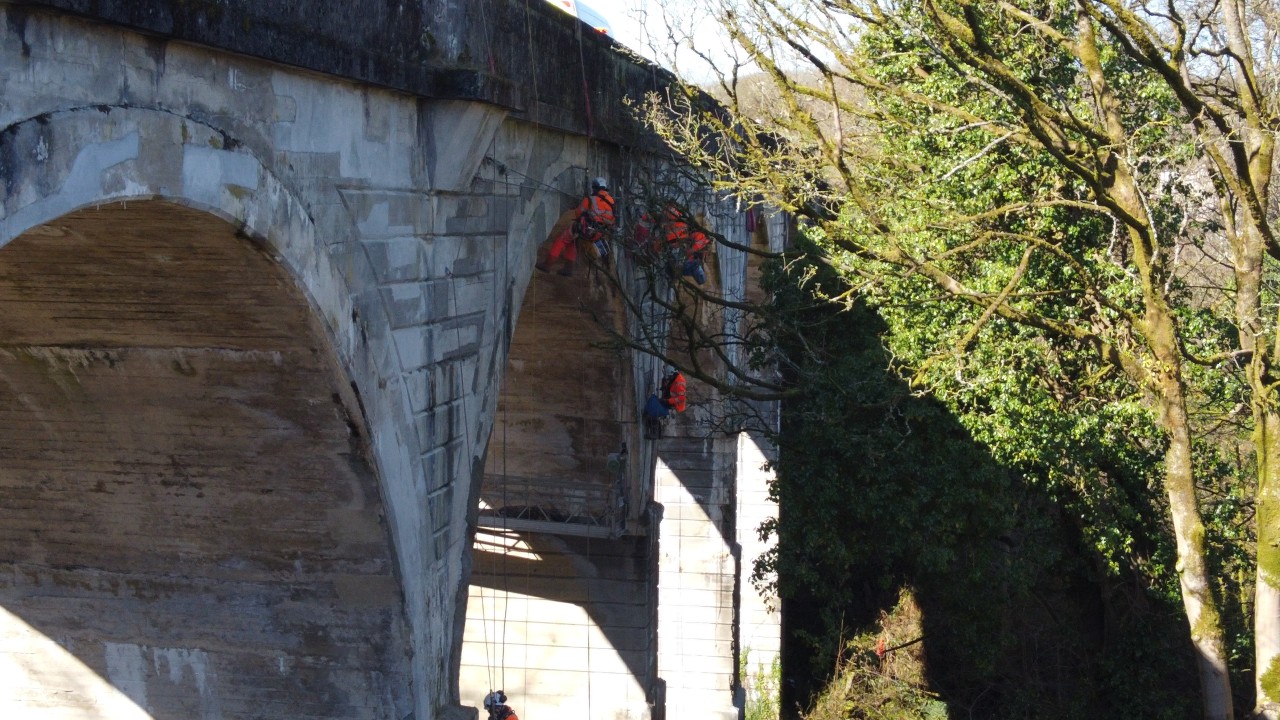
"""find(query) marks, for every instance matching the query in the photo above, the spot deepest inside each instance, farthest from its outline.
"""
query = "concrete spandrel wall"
(510, 54)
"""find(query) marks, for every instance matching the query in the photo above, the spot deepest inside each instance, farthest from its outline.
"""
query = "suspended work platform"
(553, 506)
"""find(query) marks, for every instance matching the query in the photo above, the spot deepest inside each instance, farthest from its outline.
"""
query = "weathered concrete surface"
(562, 410)
(526, 57)
(410, 252)
(186, 504)
(408, 226)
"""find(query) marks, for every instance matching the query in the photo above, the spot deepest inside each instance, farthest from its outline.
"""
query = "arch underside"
(189, 524)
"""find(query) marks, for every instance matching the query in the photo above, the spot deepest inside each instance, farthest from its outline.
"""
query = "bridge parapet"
(507, 53)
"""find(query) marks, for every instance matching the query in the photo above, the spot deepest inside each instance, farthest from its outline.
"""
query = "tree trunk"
(1193, 574)
(1248, 245)
(1266, 618)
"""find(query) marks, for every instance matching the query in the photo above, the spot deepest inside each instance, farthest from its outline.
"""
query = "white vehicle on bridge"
(585, 13)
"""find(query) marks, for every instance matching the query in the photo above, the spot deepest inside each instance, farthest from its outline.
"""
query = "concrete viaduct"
(290, 427)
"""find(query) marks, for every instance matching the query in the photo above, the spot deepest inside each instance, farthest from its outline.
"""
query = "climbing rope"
(537, 100)
(586, 89)
(489, 652)
(488, 40)
(495, 657)
(506, 337)
(536, 183)
(590, 563)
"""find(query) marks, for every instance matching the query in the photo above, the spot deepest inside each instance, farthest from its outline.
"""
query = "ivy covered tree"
(881, 489)
(1064, 211)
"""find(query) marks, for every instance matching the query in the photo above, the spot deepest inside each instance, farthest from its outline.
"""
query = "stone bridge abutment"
(261, 279)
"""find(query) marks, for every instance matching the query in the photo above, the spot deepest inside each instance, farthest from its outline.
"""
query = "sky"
(633, 21)
(626, 19)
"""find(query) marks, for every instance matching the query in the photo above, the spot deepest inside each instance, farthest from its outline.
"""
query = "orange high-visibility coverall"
(673, 392)
(679, 235)
(594, 212)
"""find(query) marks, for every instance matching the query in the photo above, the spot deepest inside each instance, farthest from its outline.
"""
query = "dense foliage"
(1063, 213)
(883, 490)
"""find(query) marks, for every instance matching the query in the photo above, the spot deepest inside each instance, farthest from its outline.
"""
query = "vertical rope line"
(509, 332)
(589, 623)
(537, 102)
(498, 669)
(499, 653)
(488, 37)
(484, 613)
(506, 548)
(484, 626)
(466, 421)
(586, 89)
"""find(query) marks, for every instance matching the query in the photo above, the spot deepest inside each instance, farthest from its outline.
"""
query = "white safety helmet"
(497, 697)
(599, 184)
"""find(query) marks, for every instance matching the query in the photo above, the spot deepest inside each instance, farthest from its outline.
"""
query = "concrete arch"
(559, 613)
(90, 156)
(59, 162)
(191, 516)
(81, 157)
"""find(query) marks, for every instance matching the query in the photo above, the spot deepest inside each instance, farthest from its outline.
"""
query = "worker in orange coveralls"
(673, 240)
(669, 398)
(594, 220)
(686, 241)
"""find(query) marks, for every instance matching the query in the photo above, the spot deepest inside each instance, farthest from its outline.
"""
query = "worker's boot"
(543, 266)
(567, 270)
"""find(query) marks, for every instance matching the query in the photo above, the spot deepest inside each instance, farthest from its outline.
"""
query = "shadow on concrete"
(609, 579)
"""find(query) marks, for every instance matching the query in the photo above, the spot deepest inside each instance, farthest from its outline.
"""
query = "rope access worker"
(496, 703)
(672, 240)
(688, 242)
(595, 219)
(669, 398)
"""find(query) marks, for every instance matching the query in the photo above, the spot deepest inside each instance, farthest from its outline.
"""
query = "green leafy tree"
(1058, 206)
(880, 489)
